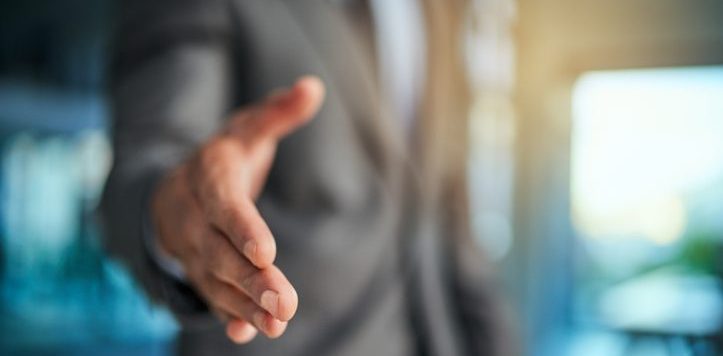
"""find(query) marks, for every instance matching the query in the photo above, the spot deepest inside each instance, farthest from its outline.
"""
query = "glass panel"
(59, 291)
(647, 202)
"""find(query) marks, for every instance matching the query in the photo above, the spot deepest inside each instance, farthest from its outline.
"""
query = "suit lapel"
(351, 66)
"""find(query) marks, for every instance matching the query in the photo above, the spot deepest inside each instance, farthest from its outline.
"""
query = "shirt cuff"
(167, 263)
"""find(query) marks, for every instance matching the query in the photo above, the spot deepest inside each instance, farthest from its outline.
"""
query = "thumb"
(282, 112)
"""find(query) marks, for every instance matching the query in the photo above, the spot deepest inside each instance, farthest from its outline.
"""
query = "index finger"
(243, 225)
(227, 205)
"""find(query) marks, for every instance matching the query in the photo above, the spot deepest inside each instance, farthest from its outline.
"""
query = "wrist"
(160, 250)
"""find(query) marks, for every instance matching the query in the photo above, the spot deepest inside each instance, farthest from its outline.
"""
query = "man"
(311, 210)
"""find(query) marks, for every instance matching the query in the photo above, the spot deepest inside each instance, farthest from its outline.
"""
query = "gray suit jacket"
(372, 259)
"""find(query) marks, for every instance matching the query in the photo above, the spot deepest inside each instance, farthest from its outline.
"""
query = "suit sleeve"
(170, 91)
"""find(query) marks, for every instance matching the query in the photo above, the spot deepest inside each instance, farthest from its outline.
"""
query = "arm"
(197, 176)
(170, 91)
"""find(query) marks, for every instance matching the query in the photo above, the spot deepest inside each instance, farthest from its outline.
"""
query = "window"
(647, 203)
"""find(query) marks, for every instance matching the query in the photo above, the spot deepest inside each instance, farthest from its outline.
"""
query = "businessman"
(297, 169)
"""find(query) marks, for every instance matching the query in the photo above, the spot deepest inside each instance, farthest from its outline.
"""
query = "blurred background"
(596, 173)
(59, 292)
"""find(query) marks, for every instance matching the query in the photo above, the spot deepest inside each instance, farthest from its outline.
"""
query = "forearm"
(169, 95)
(122, 207)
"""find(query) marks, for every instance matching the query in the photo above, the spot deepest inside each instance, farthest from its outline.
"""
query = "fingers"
(218, 178)
(229, 171)
(248, 232)
(268, 287)
(239, 278)
(240, 331)
(227, 298)
(281, 112)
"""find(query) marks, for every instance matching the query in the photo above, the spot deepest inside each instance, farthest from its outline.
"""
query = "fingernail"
(250, 248)
(270, 301)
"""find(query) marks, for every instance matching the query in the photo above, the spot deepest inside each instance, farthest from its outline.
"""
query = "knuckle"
(190, 225)
(207, 288)
(250, 282)
(212, 254)
(222, 295)
(239, 121)
(213, 266)
(208, 153)
(222, 271)
(227, 266)
(230, 214)
(237, 305)
(210, 157)
(247, 283)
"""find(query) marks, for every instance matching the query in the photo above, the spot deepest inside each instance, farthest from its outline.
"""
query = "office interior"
(596, 177)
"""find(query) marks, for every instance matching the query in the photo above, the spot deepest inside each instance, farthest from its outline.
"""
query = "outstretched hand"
(205, 215)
